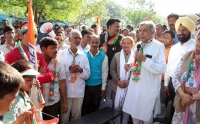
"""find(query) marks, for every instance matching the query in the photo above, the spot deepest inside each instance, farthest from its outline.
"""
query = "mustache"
(182, 35)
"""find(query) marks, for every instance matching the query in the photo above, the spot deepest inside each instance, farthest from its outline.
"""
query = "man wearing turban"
(184, 27)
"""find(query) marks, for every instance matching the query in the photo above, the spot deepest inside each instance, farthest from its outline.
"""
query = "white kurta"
(143, 96)
(175, 54)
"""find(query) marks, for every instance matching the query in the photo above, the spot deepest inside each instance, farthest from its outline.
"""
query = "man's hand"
(64, 108)
(75, 68)
(166, 91)
(27, 116)
(139, 56)
(71, 67)
(187, 99)
(121, 84)
(127, 67)
(102, 93)
(42, 70)
(37, 84)
(126, 82)
(79, 69)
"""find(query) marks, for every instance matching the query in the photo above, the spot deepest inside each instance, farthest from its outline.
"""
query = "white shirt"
(86, 49)
(76, 89)
(5, 50)
(61, 75)
(142, 97)
(38, 49)
(175, 54)
(67, 41)
(104, 70)
(2, 58)
(64, 46)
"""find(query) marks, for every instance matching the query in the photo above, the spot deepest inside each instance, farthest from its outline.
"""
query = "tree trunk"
(35, 17)
(39, 16)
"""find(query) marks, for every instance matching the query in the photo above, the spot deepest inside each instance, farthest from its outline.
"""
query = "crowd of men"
(74, 69)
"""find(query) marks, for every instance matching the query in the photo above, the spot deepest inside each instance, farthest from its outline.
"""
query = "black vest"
(112, 49)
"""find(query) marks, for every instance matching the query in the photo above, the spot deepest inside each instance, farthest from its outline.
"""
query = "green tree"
(136, 16)
(139, 10)
(88, 12)
(113, 10)
(62, 10)
(132, 13)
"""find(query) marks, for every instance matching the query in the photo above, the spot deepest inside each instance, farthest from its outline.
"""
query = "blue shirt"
(176, 40)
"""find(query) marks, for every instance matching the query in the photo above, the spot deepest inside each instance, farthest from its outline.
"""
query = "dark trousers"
(92, 99)
(170, 98)
(162, 96)
(53, 110)
(171, 91)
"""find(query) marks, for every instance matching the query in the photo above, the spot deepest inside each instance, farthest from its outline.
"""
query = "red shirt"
(15, 55)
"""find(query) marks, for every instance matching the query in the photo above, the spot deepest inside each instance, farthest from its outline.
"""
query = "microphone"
(138, 49)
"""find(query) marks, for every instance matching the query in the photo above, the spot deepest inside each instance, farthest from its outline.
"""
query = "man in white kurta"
(77, 70)
(143, 95)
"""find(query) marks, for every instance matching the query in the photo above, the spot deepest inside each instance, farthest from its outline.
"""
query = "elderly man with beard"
(172, 18)
(185, 27)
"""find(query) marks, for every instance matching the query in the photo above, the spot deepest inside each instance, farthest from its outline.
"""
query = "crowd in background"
(132, 70)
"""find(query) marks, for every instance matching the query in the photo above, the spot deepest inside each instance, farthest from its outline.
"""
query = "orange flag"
(31, 36)
(33, 60)
(98, 22)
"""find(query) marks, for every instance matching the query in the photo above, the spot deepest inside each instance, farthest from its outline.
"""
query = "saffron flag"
(98, 22)
(31, 36)
(33, 61)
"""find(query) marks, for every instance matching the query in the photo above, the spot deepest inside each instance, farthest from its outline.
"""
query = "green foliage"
(63, 10)
(133, 13)
(140, 4)
(137, 16)
(88, 12)
(113, 10)
(78, 12)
